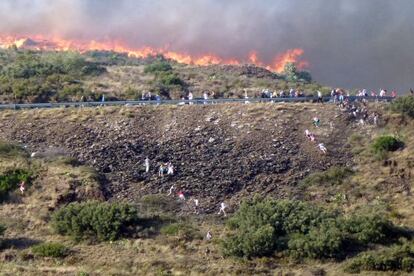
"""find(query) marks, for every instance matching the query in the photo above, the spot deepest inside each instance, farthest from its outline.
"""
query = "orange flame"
(38, 42)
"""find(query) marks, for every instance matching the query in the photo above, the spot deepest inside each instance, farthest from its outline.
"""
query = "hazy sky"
(350, 43)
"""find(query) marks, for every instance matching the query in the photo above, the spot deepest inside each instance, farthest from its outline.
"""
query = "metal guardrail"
(183, 102)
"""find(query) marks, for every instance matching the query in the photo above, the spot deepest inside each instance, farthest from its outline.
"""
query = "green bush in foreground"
(102, 221)
(398, 257)
(302, 230)
(386, 143)
(10, 182)
(53, 250)
(404, 106)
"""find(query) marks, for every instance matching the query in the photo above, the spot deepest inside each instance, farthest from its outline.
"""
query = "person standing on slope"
(172, 188)
(181, 196)
(223, 207)
(161, 170)
(196, 204)
(147, 165)
(22, 187)
(170, 169)
(322, 148)
(316, 121)
(320, 96)
(190, 97)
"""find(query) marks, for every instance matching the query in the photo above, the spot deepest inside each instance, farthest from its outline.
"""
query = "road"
(179, 102)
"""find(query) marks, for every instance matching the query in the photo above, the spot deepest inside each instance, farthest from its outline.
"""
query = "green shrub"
(252, 243)
(404, 106)
(53, 250)
(333, 176)
(286, 216)
(325, 241)
(263, 226)
(398, 257)
(103, 221)
(2, 229)
(386, 144)
(169, 79)
(181, 230)
(302, 230)
(369, 228)
(10, 150)
(157, 67)
(10, 182)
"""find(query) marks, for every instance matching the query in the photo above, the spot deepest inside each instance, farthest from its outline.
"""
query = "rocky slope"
(220, 152)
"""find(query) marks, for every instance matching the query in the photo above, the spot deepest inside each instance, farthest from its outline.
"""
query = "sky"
(348, 43)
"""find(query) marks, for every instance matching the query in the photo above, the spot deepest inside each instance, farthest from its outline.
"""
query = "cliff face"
(220, 152)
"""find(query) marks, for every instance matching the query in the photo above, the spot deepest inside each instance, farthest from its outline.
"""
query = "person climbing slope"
(316, 122)
(172, 188)
(322, 148)
(223, 207)
(147, 165)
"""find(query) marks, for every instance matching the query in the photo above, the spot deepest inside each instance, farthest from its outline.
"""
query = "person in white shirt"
(205, 96)
(320, 96)
(196, 204)
(322, 147)
(223, 207)
(147, 165)
(22, 187)
(190, 97)
(172, 188)
(170, 169)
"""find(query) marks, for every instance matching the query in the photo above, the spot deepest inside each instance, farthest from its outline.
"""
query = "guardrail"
(183, 102)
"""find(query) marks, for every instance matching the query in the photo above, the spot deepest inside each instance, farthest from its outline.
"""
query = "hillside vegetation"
(27, 76)
(90, 208)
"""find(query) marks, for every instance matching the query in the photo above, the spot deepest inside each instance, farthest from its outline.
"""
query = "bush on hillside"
(10, 150)
(102, 221)
(2, 229)
(256, 242)
(293, 75)
(369, 228)
(301, 230)
(262, 226)
(184, 231)
(404, 106)
(333, 176)
(157, 67)
(53, 250)
(10, 181)
(386, 143)
(169, 79)
(327, 240)
(396, 258)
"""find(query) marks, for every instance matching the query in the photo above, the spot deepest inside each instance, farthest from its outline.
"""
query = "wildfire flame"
(38, 42)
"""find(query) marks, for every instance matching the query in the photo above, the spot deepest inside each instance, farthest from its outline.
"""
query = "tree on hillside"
(292, 74)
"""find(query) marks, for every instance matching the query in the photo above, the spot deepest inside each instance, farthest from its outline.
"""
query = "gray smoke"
(349, 43)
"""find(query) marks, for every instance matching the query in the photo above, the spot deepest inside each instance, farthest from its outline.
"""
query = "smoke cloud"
(349, 43)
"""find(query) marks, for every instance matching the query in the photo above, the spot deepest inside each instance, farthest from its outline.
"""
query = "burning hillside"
(41, 43)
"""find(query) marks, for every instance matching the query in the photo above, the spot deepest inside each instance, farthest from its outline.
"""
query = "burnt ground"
(220, 152)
